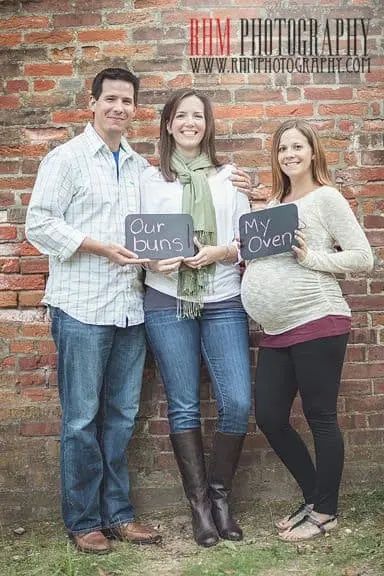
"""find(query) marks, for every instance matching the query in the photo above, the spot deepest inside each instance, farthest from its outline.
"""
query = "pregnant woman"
(297, 300)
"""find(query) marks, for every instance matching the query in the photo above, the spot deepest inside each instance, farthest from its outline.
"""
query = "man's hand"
(114, 252)
(241, 180)
(120, 255)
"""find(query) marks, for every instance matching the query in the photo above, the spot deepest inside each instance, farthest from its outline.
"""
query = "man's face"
(114, 109)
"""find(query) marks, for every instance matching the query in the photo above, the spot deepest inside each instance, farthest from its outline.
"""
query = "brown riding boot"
(225, 456)
(188, 449)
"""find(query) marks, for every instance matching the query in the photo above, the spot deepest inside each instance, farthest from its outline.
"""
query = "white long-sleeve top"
(161, 197)
(281, 293)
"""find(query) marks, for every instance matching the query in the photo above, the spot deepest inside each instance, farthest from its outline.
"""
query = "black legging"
(313, 368)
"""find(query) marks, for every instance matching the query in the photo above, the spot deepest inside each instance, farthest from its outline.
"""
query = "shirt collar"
(96, 142)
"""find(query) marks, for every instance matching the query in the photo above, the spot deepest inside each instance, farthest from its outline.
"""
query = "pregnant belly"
(278, 297)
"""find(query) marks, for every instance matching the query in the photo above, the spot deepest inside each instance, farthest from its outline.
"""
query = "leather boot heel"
(188, 449)
(203, 526)
(223, 464)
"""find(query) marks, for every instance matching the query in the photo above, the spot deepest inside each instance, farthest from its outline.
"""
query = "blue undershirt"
(116, 157)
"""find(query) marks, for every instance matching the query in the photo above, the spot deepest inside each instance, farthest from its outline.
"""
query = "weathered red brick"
(8, 232)
(17, 86)
(20, 282)
(29, 299)
(374, 221)
(23, 150)
(376, 286)
(368, 302)
(9, 330)
(36, 361)
(8, 299)
(24, 22)
(355, 109)
(35, 330)
(26, 249)
(48, 69)
(289, 110)
(9, 102)
(10, 40)
(158, 427)
(355, 387)
(43, 85)
(45, 347)
(8, 167)
(71, 116)
(9, 265)
(338, 93)
(48, 38)
(34, 265)
(16, 183)
(35, 378)
(40, 428)
(46, 134)
(102, 35)
(76, 20)
(22, 346)
(376, 420)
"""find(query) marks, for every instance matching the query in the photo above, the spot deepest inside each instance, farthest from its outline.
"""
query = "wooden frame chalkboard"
(159, 236)
(268, 232)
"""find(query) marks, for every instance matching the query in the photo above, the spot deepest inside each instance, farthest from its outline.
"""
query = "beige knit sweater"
(280, 293)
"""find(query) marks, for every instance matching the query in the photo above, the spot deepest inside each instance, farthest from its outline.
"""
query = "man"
(83, 192)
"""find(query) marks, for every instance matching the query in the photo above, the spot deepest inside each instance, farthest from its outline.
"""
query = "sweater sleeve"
(339, 220)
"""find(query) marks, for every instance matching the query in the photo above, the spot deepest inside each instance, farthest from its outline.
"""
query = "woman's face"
(295, 154)
(188, 126)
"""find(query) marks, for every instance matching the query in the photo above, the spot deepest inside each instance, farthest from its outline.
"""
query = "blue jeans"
(99, 371)
(221, 336)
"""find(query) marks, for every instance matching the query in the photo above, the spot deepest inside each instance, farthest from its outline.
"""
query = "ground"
(356, 548)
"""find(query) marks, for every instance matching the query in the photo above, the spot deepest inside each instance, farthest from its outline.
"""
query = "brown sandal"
(322, 528)
(302, 511)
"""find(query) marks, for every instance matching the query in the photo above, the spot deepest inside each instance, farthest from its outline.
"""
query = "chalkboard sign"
(159, 236)
(267, 232)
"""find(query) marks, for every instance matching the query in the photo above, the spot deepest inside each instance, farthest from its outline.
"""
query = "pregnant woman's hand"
(301, 250)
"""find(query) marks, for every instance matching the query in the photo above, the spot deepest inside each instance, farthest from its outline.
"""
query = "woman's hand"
(301, 250)
(205, 256)
(166, 266)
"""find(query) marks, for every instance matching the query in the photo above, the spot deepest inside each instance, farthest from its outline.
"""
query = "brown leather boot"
(92, 542)
(225, 456)
(188, 448)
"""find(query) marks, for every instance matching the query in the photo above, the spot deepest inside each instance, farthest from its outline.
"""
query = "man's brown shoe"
(136, 533)
(92, 542)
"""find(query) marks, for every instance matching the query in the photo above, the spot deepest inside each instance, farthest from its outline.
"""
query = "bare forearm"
(114, 252)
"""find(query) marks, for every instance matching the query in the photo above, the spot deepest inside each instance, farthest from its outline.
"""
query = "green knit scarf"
(197, 201)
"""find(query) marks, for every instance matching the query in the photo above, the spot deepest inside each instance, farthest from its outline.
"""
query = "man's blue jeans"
(100, 372)
(221, 336)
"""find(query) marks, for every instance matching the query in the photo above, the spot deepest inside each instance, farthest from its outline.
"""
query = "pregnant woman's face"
(295, 154)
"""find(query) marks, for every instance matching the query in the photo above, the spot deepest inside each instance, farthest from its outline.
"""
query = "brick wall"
(51, 50)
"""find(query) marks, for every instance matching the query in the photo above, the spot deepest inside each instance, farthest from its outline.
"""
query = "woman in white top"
(306, 321)
(193, 308)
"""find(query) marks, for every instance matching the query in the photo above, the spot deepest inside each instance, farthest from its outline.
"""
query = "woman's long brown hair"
(280, 182)
(167, 142)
